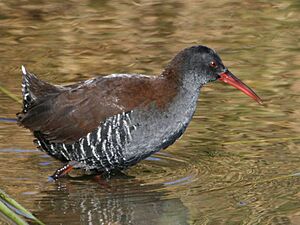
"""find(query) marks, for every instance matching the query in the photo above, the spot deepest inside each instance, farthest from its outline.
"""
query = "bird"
(109, 123)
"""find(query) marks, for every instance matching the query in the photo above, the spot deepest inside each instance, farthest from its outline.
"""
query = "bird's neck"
(179, 74)
(184, 103)
(182, 107)
(186, 83)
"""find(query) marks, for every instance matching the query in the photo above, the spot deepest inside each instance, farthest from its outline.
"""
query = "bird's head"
(200, 65)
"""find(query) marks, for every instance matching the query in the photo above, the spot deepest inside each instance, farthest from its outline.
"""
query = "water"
(237, 163)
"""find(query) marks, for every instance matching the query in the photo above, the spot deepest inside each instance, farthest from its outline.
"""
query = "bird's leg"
(101, 179)
(64, 170)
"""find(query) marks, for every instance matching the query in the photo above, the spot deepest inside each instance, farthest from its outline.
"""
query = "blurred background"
(237, 163)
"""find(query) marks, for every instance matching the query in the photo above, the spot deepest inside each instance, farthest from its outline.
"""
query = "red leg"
(63, 170)
(102, 182)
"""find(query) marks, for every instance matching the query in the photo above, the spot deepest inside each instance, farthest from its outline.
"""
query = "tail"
(28, 96)
(33, 89)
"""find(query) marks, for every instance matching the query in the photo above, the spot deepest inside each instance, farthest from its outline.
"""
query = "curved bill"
(229, 78)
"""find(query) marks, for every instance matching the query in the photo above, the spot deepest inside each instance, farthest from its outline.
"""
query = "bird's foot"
(102, 181)
(63, 171)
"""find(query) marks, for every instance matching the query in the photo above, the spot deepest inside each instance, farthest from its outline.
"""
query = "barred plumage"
(101, 149)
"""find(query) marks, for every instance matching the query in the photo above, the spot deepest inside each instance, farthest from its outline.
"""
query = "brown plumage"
(63, 114)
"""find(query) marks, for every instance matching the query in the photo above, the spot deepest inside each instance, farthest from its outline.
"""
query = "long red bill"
(229, 78)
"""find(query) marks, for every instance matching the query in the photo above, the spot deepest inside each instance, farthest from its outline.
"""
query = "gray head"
(198, 65)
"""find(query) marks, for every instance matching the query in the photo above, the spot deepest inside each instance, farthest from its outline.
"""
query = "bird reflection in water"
(122, 201)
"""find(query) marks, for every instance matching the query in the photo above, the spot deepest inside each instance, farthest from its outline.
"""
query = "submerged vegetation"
(15, 212)
(10, 94)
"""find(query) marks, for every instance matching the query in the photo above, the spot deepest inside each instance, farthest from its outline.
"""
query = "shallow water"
(237, 163)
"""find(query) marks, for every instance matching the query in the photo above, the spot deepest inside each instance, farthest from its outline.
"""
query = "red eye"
(213, 64)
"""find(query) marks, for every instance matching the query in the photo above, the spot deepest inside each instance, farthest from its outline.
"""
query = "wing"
(65, 114)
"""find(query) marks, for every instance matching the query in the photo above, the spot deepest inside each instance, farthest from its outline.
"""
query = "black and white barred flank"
(101, 149)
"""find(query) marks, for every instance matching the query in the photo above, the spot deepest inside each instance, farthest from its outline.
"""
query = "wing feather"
(64, 114)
